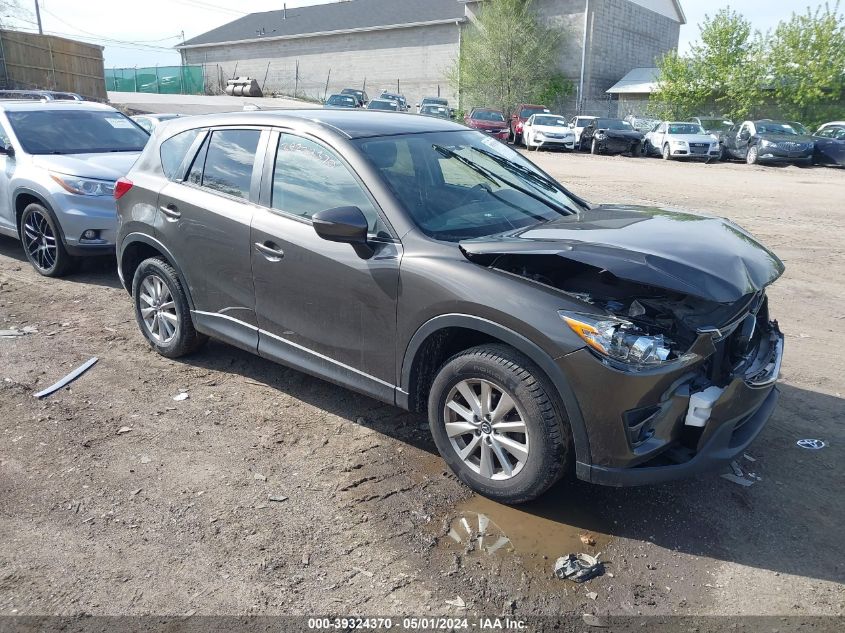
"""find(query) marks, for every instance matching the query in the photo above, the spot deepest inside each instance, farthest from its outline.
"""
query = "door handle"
(272, 254)
(171, 212)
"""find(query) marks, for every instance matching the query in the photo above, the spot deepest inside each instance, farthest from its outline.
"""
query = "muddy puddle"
(539, 533)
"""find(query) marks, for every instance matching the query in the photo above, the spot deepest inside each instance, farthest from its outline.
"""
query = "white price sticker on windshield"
(121, 123)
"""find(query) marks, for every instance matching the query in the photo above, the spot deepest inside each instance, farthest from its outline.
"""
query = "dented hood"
(693, 254)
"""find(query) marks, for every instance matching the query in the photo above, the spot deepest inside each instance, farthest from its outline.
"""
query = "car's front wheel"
(42, 242)
(753, 156)
(494, 420)
(667, 152)
(594, 147)
(162, 309)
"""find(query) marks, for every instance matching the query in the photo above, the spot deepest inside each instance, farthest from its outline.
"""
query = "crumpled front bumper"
(636, 421)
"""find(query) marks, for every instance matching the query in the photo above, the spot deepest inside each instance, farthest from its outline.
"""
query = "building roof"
(321, 19)
(637, 81)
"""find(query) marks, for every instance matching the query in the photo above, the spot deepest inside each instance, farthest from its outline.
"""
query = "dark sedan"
(611, 136)
(767, 141)
(830, 144)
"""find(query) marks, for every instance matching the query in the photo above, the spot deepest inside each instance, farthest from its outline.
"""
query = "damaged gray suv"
(432, 267)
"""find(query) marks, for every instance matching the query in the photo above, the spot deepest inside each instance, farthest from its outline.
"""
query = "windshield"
(583, 122)
(483, 115)
(527, 112)
(685, 128)
(716, 124)
(770, 127)
(463, 185)
(76, 132)
(550, 120)
(383, 105)
(613, 124)
(434, 109)
(342, 100)
(435, 101)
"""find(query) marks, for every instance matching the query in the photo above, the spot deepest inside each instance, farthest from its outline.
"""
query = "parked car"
(489, 121)
(342, 101)
(432, 109)
(433, 101)
(767, 141)
(520, 115)
(360, 95)
(384, 104)
(150, 121)
(611, 136)
(59, 161)
(578, 123)
(547, 130)
(675, 139)
(416, 261)
(713, 125)
(400, 99)
(642, 124)
(829, 142)
(40, 95)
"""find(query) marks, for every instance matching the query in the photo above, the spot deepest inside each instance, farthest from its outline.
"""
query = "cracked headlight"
(620, 340)
(84, 186)
(767, 143)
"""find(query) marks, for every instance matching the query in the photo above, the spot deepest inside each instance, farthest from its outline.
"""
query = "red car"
(520, 115)
(489, 121)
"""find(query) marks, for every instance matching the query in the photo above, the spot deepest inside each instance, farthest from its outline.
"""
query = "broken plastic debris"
(578, 567)
(592, 595)
(812, 445)
(487, 537)
(76, 373)
(277, 498)
(259, 477)
(737, 470)
(738, 480)
(182, 396)
(748, 457)
(124, 429)
(457, 602)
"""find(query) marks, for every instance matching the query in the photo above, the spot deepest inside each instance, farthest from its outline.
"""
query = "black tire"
(594, 147)
(723, 154)
(646, 148)
(548, 433)
(43, 242)
(185, 339)
(753, 156)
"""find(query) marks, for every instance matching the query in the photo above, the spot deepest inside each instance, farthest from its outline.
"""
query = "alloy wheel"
(486, 428)
(40, 241)
(158, 310)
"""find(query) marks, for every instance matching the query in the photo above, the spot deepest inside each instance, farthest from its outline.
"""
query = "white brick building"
(410, 44)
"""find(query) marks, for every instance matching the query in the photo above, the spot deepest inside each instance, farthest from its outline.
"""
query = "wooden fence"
(47, 62)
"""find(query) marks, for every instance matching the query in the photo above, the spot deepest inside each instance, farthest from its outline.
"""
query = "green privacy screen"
(172, 80)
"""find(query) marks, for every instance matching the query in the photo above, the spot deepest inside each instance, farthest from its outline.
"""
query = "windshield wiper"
(445, 151)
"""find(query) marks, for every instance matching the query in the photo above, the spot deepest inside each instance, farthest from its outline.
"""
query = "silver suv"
(58, 164)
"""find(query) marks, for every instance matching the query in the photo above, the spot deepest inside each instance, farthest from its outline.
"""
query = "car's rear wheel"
(495, 422)
(162, 309)
(753, 156)
(42, 242)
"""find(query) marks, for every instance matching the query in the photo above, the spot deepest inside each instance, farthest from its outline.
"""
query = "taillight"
(121, 187)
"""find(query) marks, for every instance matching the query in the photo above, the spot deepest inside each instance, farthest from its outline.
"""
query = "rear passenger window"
(310, 177)
(173, 151)
(229, 159)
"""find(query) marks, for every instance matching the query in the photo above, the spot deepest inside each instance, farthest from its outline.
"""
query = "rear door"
(204, 220)
(321, 307)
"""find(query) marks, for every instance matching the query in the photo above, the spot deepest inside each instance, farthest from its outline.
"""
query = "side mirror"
(7, 149)
(346, 225)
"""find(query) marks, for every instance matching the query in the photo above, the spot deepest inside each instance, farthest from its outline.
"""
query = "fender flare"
(545, 362)
(44, 203)
(143, 238)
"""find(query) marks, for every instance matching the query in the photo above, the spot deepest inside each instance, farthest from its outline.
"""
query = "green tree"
(720, 74)
(508, 57)
(807, 65)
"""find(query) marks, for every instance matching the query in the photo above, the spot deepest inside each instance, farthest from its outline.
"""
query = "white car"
(676, 139)
(547, 130)
(578, 123)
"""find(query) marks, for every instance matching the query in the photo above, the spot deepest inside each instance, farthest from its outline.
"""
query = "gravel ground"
(269, 492)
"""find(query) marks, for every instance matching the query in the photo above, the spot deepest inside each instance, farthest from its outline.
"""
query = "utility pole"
(38, 17)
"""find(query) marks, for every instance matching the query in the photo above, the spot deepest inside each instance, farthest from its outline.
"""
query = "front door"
(205, 220)
(7, 168)
(321, 307)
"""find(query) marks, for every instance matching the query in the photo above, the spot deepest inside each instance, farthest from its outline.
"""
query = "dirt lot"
(175, 515)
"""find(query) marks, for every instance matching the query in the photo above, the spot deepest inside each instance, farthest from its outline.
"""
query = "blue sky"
(143, 33)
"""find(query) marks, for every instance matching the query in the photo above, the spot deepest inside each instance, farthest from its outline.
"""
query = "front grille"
(699, 148)
(792, 146)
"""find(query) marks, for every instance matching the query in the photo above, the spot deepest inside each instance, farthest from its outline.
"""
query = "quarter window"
(309, 177)
(173, 151)
(230, 156)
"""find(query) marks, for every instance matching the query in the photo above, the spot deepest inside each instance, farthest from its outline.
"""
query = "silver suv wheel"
(486, 429)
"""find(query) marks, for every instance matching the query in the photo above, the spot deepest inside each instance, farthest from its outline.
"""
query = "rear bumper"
(636, 422)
